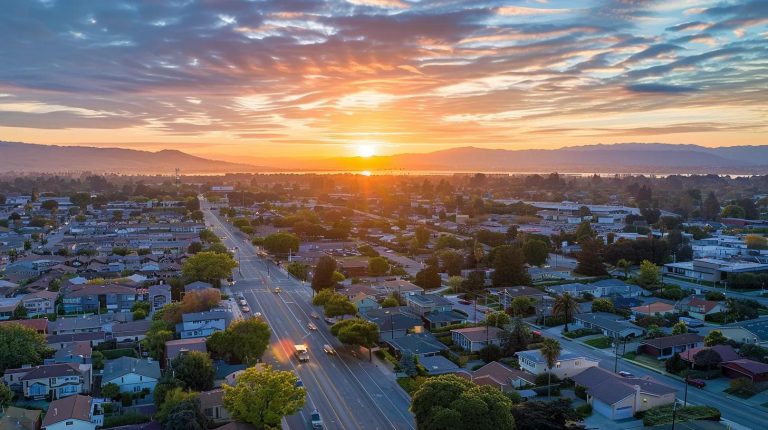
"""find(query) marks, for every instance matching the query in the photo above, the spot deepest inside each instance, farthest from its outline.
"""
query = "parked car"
(626, 374)
(315, 315)
(246, 309)
(465, 302)
(257, 314)
(329, 349)
(698, 383)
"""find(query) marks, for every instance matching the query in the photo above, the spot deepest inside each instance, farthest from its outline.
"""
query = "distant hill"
(618, 158)
(25, 157)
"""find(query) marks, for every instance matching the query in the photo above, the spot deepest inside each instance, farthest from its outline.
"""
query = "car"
(330, 320)
(312, 326)
(315, 315)
(299, 383)
(317, 422)
(277, 290)
(243, 302)
(465, 302)
(257, 314)
(698, 383)
(626, 374)
(329, 349)
(246, 309)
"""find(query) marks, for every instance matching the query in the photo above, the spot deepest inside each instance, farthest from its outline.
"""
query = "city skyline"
(379, 77)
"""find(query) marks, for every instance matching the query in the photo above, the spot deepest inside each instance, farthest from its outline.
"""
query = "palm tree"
(550, 350)
(623, 265)
(565, 305)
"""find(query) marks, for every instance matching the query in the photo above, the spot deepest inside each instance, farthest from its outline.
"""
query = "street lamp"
(391, 325)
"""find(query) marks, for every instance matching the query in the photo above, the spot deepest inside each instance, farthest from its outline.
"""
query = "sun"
(365, 150)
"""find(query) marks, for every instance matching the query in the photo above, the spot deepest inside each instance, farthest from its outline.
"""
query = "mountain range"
(617, 158)
(26, 157)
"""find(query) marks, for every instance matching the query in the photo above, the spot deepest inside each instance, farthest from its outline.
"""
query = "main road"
(347, 390)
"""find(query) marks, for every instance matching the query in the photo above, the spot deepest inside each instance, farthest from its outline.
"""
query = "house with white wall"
(131, 374)
(567, 365)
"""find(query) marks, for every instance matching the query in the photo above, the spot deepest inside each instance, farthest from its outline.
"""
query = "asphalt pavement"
(348, 391)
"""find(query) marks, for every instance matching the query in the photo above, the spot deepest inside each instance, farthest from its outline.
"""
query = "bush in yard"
(581, 392)
(742, 387)
(663, 414)
(543, 379)
(584, 411)
(490, 353)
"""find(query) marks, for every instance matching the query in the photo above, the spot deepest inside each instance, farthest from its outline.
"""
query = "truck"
(301, 352)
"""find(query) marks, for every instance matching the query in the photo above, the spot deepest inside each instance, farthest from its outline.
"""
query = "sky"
(241, 80)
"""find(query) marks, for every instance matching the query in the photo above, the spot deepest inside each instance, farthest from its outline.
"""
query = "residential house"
(131, 331)
(355, 290)
(611, 325)
(159, 296)
(7, 307)
(667, 346)
(441, 319)
(40, 303)
(474, 339)
(203, 324)
(610, 287)
(574, 289)
(92, 298)
(422, 304)
(74, 413)
(712, 270)
(364, 303)
(197, 286)
(438, 365)
(726, 353)
(82, 324)
(400, 286)
(699, 308)
(500, 376)
(76, 352)
(39, 325)
(654, 308)
(423, 344)
(742, 334)
(131, 374)
(212, 405)
(175, 348)
(393, 322)
(567, 365)
(20, 419)
(507, 294)
(755, 371)
(617, 398)
(49, 380)
(62, 341)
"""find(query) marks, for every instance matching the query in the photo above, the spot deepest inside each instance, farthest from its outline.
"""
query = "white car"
(312, 326)
(329, 349)
(626, 374)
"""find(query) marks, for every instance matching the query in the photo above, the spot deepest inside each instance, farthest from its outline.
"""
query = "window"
(577, 363)
(69, 423)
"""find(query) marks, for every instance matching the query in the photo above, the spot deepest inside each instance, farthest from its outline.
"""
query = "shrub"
(543, 379)
(581, 392)
(663, 414)
(580, 332)
(584, 411)
(122, 420)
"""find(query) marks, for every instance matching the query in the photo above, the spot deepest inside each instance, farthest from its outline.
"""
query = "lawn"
(663, 414)
(111, 354)
(599, 342)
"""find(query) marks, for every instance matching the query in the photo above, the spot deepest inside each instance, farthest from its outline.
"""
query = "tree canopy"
(244, 341)
(378, 266)
(451, 402)
(281, 243)
(262, 396)
(209, 267)
(21, 345)
(195, 369)
(322, 277)
(509, 267)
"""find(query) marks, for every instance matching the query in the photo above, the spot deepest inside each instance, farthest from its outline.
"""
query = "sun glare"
(366, 150)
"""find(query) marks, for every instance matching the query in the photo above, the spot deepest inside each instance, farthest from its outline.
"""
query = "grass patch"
(111, 354)
(663, 414)
(599, 342)
(631, 355)
(580, 332)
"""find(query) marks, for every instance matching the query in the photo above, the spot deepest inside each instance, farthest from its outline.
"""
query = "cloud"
(660, 88)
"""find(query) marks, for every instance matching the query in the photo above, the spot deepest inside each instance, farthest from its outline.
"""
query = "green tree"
(755, 241)
(566, 306)
(584, 231)
(624, 266)
(654, 331)
(194, 247)
(323, 275)
(390, 302)
(281, 243)
(244, 341)
(6, 395)
(378, 266)
(165, 385)
(298, 270)
(536, 252)
(428, 278)
(208, 236)
(539, 415)
(20, 312)
(455, 283)
(680, 328)
(21, 345)
(110, 390)
(339, 305)
(422, 236)
(509, 267)
(649, 275)
(452, 402)
(209, 267)
(357, 332)
(186, 415)
(173, 398)
(550, 350)
(710, 208)
(733, 211)
(602, 305)
(97, 358)
(196, 216)
(452, 262)
(157, 336)
(520, 306)
(262, 396)
(448, 241)
(195, 369)
(708, 358)
(497, 319)
(715, 337)
(590, 258)
(323, 296)
(517, 338)
(490, 353)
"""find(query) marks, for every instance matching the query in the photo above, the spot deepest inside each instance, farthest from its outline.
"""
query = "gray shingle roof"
(125, 365)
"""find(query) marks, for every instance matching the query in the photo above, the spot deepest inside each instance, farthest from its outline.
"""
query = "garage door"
(621, 413)
(602, 409)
